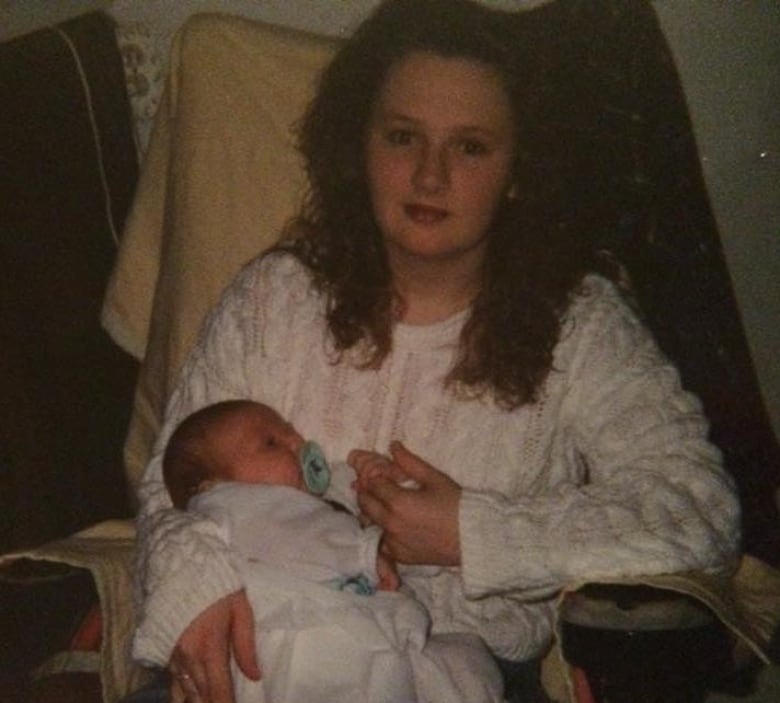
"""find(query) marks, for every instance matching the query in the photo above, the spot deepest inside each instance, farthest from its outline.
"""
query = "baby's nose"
(294, 441)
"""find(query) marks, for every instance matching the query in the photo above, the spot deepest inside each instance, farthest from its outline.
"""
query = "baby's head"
(234, 440)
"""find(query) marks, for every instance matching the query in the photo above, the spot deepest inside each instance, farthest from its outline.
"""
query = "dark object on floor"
(42, 605)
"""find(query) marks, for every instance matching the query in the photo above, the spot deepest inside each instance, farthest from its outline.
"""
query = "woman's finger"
(177, 691)
(242, 633)
(188, 678)
(194, 686)
(219, 686)
(412, 465)
(203, 651)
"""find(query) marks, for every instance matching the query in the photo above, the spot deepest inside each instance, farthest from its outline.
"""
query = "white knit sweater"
(608, 475)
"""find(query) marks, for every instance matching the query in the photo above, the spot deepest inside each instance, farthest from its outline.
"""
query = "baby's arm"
(369, 467)
(344, 480)
(342, 486)
(387, 573)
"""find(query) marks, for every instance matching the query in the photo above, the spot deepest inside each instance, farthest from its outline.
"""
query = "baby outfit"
(323, 633)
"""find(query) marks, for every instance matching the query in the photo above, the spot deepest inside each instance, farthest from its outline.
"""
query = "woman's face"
(439, 152)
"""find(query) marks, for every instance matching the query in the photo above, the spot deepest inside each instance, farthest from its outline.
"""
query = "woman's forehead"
(462, 89)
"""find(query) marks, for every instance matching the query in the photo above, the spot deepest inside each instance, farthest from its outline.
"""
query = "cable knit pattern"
(609, 474)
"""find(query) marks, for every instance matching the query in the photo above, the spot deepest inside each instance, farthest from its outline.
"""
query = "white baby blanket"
(318, 644)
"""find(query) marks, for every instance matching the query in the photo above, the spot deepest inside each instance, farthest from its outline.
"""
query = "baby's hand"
(370, 466)
(387, 574)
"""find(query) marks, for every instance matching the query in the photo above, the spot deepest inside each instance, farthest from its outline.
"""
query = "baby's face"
(260, 447)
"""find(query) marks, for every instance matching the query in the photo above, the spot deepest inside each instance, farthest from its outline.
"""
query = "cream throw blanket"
(107, 550)
(221, 179)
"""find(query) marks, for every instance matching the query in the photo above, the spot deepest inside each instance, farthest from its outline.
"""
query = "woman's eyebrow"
(400, 117)
(396, 116)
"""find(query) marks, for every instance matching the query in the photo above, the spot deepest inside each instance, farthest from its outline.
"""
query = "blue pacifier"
(315, 469)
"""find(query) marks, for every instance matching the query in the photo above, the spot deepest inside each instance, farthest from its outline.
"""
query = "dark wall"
(618, 151)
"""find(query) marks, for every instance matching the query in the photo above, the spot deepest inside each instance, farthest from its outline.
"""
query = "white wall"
(728, 56)
(335, 17)
(19, 17)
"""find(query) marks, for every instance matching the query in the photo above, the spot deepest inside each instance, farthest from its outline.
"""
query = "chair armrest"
(107, 552)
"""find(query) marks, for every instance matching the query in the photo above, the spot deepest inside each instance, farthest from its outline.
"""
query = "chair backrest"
(221, 178)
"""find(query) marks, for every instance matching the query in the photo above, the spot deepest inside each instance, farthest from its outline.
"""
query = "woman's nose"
(432, 172)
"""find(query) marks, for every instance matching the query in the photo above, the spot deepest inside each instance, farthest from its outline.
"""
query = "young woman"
(426, 303)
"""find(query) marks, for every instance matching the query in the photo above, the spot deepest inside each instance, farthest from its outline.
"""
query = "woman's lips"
(425, 214)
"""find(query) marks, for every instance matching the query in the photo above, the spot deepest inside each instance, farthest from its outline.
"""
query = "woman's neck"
(432, 292)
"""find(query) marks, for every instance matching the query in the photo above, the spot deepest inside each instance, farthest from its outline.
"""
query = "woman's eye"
(472, 147)
(399, 137)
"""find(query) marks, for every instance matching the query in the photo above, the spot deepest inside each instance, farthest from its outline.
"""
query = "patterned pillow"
(144, 54)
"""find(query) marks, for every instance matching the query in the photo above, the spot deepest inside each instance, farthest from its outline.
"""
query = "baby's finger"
(362, 460)
(358, 458)
(384, 489)
(372, 506)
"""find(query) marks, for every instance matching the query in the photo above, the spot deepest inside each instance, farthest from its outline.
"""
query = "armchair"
(221, 177)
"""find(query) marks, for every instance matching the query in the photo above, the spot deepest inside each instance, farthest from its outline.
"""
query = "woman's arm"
(655, 497)
(193, 613)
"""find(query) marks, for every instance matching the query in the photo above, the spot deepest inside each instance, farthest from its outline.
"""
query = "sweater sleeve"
(183, 563)
(654, 497)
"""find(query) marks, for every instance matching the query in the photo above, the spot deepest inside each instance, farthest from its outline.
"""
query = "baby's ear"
(205, 485)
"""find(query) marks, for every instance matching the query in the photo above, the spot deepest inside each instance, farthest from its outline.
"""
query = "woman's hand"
(200, 663)
(420, 523)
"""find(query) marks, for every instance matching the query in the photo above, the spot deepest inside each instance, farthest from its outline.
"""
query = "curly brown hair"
(534, 259)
